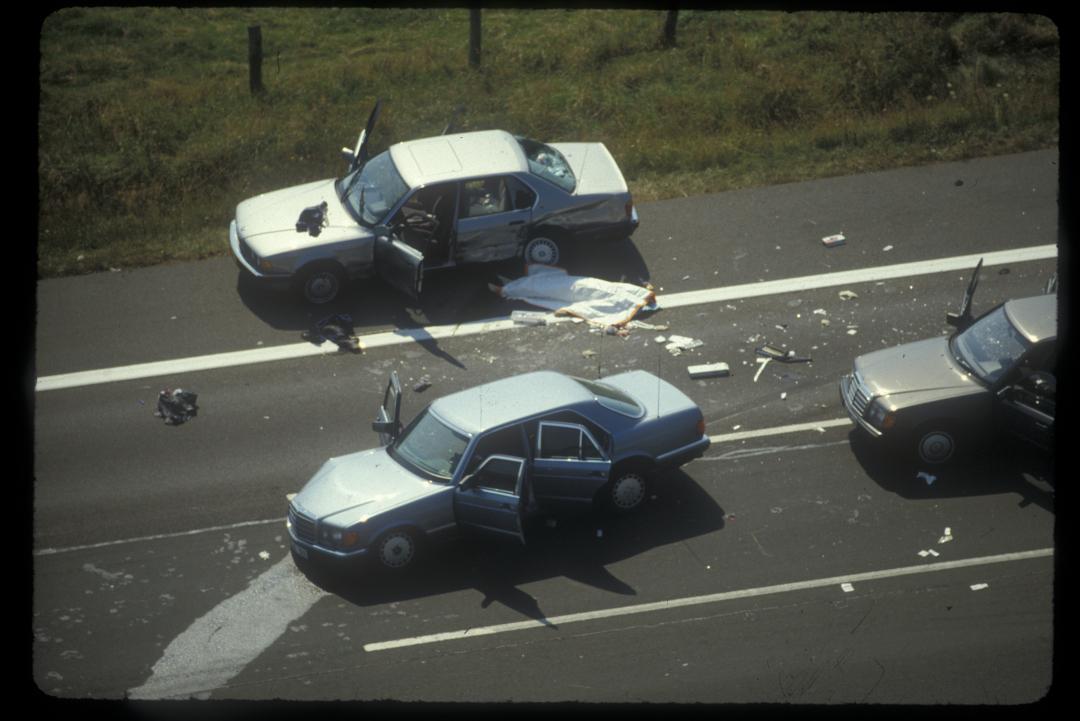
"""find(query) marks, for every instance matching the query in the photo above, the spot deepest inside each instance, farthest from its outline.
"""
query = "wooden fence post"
(669, 28)
(474, 37)
(255, 57)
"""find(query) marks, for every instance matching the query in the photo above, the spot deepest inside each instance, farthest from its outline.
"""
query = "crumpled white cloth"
(596, 300)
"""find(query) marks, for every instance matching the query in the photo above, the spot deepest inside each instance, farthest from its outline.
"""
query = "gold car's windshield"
(990, 347)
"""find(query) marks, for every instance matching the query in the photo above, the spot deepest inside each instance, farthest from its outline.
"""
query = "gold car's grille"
(856, 398)
(303, 527)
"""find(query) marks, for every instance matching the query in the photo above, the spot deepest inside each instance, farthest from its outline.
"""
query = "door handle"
(516, 222)
(506, 506)
(597, 473)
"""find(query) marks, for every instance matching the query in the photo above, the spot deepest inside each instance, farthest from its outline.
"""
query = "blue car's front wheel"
(397, 549)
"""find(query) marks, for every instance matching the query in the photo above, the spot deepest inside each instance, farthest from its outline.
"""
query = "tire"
(320, 284)
(542, 251)
(397, 550)
(627, 490)
(936, 444)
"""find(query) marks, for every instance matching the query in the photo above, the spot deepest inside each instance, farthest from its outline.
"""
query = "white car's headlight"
(879, 416)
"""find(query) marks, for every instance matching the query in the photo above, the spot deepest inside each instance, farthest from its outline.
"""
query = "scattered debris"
(423, 384)
(847, 294)
(264, 555)
(642, 325)
(887, 248)
(709, 370)
(529, 317)
(781, 355)
(336, 329)
(924, 476)
(588, 353)
(783, 396)
(852, 331)
(847, 587)
(660, 339)
(947, 536)
(979, 586)
(676, 344)
(176, 406)
(736, 427)
(930, 552)
(831, 241)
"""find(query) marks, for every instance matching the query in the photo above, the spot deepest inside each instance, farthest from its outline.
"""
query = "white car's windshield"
(431, 446)
(991, 346)
(372, 190)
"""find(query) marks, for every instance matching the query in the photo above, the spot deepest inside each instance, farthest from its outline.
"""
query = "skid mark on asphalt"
(219, 645)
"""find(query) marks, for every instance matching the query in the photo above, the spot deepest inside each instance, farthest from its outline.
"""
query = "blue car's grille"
(302, 526)
(854, 395)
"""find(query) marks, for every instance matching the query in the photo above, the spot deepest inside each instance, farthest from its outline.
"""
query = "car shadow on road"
(452, 295)
(579, 548)
(1005, 467)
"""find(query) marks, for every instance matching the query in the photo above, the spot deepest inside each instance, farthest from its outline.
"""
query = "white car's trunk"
(594, 168)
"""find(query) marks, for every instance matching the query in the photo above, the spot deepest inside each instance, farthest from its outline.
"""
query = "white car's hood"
(267, 222)
(594, 168)
(360, 485)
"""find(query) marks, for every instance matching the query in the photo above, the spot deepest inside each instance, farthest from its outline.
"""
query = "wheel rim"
(397, 550)
(936, 447)
(542, 251)
(628, 491)
(321, 287)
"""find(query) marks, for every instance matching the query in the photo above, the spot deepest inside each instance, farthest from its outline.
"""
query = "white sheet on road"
(596, 300)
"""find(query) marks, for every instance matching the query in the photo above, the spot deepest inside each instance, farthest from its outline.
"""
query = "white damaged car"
(438, 202)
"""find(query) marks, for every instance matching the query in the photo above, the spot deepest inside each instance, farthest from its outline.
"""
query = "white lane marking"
(159, 536)
(674, 300)
(222, 643)
(777, 430)
(853, 578)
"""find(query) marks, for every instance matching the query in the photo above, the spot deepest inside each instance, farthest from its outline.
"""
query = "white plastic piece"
(709, 370)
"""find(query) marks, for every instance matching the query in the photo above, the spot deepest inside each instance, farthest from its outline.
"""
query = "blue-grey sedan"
(486, 458)
(438, 202)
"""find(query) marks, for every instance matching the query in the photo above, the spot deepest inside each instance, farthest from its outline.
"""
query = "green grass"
(148, 136)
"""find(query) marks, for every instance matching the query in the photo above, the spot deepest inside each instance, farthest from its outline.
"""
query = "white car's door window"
(486, 196)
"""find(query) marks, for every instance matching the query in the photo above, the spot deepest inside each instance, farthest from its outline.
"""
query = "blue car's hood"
(361, 485)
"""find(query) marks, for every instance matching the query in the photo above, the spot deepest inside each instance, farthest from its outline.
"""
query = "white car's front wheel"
(320, 284)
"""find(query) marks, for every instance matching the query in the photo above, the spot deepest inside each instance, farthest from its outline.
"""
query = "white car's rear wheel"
(542, 251)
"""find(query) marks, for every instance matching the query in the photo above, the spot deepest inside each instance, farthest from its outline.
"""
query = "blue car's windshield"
(991, 346)
(371, 191)
(431, 446)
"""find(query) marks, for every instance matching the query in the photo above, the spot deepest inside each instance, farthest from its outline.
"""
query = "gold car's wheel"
(397, 549)
(542, 251)
(936, 445)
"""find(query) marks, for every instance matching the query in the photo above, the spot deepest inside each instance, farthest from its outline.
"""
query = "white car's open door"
(399, 264)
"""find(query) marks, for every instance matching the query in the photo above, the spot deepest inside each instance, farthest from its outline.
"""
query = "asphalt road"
(161, 566)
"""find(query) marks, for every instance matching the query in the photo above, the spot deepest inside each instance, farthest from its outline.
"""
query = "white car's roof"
(461, 155)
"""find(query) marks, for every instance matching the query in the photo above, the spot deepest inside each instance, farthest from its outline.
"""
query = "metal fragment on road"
(709, 370)
(831, 241)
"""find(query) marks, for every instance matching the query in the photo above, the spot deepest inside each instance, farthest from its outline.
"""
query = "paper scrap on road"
(676, 344)
(979, 586)
(847, 587)
(947, 536)
(596, 300)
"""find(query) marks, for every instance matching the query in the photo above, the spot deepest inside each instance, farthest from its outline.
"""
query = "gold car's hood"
(924, 365)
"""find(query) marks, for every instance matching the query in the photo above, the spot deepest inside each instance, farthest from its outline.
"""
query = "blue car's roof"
(494, 404)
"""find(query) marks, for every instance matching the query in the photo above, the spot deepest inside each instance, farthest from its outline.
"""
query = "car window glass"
(482, 197)
(548, 163)
(431, 445)
(589, 451)
(991, 346)
(505, 441)
(500, 474)
(522, 196)
(560, 442)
